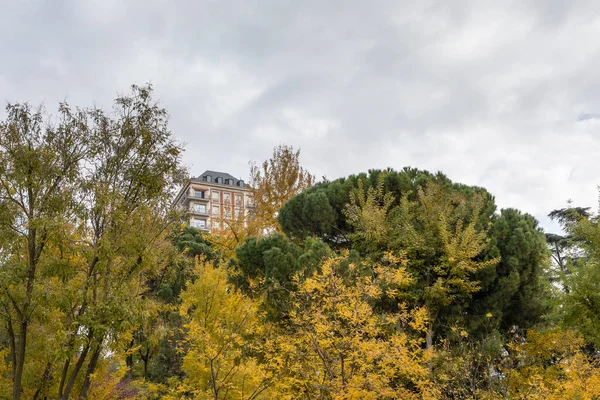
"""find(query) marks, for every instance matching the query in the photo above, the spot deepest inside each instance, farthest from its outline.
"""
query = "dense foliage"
(382, 285)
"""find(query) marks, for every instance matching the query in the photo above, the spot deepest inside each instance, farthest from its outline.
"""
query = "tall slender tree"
(87, 202)
(273, 183)
(40, 166)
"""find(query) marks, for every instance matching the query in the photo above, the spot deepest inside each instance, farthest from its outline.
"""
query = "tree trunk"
(21, 346)
(77, 367)
(87, 382)
(429, 336)
(63, 378)
(145, 369)
(129, 360)
(46, 378)
(33, 251)
(13, 345)
(146, 359)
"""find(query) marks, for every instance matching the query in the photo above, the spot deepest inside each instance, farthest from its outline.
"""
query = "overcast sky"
(500, 94)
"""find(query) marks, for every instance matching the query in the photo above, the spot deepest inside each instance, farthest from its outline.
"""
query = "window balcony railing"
(198, 195)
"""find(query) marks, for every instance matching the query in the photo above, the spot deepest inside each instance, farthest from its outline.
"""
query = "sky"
(499, 94)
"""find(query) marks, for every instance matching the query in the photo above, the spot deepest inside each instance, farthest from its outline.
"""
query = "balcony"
(198, 195)
(204, 228)
(199, 223)
(193, 211)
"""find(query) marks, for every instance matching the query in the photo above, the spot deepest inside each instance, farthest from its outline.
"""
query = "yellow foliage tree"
(338, 347)
(222, 324)
(548, 365)
(234, 232)
(273, 183)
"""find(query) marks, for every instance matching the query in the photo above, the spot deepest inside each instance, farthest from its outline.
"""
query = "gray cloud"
(501, 95)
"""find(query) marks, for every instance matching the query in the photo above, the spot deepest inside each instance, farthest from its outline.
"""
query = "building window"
(237, 212)
(199, 223)
(216, 196)
(227, 198)
(238, 200)
(216, 224)
(200, 208)
(228, 213)
(199, 194)
(216, 210)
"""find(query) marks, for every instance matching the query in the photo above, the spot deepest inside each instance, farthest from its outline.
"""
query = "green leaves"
(85, 201)
(368, 214)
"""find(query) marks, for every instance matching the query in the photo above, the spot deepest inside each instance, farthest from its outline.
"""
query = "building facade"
(213, 200)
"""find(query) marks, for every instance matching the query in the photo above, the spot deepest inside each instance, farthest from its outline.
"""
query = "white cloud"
(502, 95)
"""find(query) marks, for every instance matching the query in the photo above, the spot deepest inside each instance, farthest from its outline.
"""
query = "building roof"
(238, 183)
(216, 174)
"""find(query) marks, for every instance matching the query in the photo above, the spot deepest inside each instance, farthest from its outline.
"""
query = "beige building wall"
(210, 206)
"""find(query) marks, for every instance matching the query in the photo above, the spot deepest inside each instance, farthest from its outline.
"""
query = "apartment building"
(213, 199)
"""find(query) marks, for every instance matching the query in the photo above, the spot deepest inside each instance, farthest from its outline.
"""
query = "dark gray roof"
(216, 174)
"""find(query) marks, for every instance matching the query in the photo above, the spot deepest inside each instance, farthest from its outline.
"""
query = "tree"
(339, 347)
(516, 291)
(39, 170)
(273, 183)
(439, 233)
(582, 300)
(193, 243)
(221, 324)
(362, 212)
(267, 267)
(126, 196)
(234, 232)
(90, 199)
(549, 365)
(319, 211)
(158, 343)
(368, 212)
(566, 250)
(576, 255)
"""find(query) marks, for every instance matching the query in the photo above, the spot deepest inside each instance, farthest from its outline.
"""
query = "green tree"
(582, 300)
(133, 173)
(516, 291)
(368, 212)
(566, 250)
(319, 211)
(159, 354)
(440, 236)
(90, 197)
(362, 212)
(267, 267)
(39, 172)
